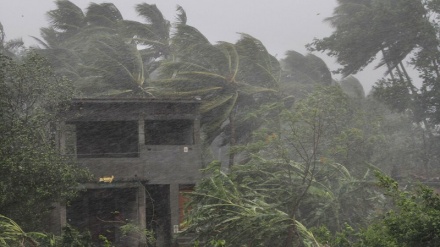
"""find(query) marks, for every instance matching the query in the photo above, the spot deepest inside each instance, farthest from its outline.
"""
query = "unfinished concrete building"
(143, 154)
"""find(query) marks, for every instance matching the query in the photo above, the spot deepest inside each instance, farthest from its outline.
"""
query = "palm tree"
(118, 55)
(352, 87)
(398, 27)
(230, 79)
(154, 34)
(11, 47)
(13, 235)
(92, 49)
(301, 74)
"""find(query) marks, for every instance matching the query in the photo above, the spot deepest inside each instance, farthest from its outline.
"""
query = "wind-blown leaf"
(181, 16)
(217, 101)
(251, 90)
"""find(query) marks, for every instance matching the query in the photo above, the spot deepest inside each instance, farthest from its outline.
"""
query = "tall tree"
(94, 49)
(306, 69)
(9, 47)
(33, 173)
(229, 78)
(398, 27)
(399, 30)
(353, 87)
(292, 169)
(412, 221)
(302, 74)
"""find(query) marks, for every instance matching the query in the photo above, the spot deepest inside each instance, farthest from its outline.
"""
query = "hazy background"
(280, 24)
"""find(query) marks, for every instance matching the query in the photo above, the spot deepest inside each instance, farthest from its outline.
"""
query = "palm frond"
(184, 94)
(217, 101)
(154, 16)
(67, 17)
(184, 84)
(186, 38)
(104, 14)
(13, 235)
(233, 59)
(213, 120)
(181, 15)
(251, 90)
(201, 76)
(170, 69)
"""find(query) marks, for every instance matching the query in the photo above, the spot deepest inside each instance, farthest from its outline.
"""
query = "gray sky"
(280, 24)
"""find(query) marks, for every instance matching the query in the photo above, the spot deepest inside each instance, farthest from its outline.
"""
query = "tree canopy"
(33, 173)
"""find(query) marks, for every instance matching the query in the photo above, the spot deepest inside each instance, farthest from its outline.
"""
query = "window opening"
(103, 212)
(70, 141)
(169, 132)
(113, 139)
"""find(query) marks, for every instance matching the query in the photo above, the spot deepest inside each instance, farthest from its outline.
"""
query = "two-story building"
(143, 154)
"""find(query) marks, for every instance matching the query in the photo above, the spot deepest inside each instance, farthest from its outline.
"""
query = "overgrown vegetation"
(304, 148)
(33, 173)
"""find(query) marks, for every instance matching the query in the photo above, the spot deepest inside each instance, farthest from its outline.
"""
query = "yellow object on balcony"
(107, 179)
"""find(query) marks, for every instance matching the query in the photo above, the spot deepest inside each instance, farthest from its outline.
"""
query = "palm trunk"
(390, 70)
(232, 139)
(435, 65)
(408, 79)
(293, 239)
(399, 72)
(426, 126)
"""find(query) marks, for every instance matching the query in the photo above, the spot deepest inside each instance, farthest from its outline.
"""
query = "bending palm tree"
(228, 77)
(93, 50)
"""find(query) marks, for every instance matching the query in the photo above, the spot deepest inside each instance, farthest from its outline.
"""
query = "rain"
(219, 123)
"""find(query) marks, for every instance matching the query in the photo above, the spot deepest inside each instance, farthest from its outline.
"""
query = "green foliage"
(12, 235)
(290, 176)
(32, 172)
(135, 231)
(10, 48)
(105, 241)
(97, 49)
(71, 237)
(312, 165)
(306, 69)
(395, 94)
(301, 74)
(401, 31)
(392, 27)
(232, 80)
(224, 208)
(412, 220)
(308, 166)
(351, 86)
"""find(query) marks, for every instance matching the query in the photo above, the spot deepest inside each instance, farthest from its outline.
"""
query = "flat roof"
(135, 100)
(122, 109)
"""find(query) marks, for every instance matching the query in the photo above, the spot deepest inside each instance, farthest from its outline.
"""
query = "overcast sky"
(280, 24)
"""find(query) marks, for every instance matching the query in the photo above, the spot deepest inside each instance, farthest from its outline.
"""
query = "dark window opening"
(111, 139)
(102, 212)
(158, 212)
(169, 132)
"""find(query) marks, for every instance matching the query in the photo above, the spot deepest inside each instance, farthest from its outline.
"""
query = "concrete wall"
(156, 164)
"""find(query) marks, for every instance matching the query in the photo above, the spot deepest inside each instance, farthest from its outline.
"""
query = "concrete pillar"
(141, 131)
(174, 207)
(57, 218)
(142, 217)
(61, 133)
(197, 130)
